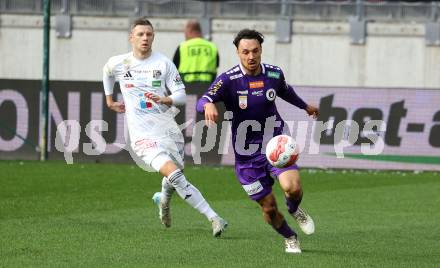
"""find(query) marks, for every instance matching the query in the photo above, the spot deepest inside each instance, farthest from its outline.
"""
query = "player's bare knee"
(294, 192)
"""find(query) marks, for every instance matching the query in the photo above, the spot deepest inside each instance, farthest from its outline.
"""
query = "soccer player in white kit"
(145, 77)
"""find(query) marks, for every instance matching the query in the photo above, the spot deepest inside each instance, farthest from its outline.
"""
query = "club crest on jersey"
(242, 102)
(271, 94)
(156, 74)
(256, 84)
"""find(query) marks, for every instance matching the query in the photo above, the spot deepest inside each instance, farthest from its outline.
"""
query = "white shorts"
(164, 149)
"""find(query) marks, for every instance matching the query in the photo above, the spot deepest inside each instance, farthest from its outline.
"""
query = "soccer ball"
(282, 151)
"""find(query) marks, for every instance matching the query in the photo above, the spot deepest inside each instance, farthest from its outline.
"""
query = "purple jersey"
(251, 99)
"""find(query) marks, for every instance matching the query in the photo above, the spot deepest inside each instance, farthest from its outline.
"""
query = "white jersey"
(156, 74)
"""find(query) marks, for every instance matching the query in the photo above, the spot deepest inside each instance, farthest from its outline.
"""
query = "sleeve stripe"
(210, 100)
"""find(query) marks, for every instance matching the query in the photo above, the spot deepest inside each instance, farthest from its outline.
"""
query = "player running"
(249, 91)
(144, 77)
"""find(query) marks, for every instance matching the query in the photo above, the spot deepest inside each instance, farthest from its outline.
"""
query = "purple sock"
(292, 205)
(285, 230)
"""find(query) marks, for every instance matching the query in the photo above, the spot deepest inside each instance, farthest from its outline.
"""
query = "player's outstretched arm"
(116, 106)
(312, 111)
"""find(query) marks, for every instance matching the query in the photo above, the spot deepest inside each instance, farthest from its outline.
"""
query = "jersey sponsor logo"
(178, 80)
(253, 188)
(145, 146)
(243, 92)
(235, 76)
(256, 84)
(128, 75)
(129, 85)
(156, 74)
(156, 83)
(145, 102)
(215, 87)
(146, 143)
(275, 75)
(271, 94)
(242, 102)
(137, 71)
(257, 93)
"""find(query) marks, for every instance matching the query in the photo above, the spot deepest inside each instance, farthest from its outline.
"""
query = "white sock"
(190, 194)
(167, 190)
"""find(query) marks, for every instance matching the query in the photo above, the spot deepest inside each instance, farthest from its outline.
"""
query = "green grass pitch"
(101, 215)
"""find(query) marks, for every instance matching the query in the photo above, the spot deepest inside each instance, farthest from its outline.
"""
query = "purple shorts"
(256, 176)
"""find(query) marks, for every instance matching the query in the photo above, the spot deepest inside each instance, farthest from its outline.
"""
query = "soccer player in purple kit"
(249, 91)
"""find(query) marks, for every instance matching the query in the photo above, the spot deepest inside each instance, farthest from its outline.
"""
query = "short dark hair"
(141, 21)
(248, 34)
(194, 25)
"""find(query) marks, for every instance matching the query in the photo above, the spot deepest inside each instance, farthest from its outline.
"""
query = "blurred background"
(356, 60)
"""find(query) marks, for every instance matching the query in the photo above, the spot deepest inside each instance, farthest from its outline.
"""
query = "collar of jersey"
(133, 58)
(263, 70)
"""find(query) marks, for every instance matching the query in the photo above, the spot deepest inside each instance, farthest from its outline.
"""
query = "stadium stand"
(338, 10)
